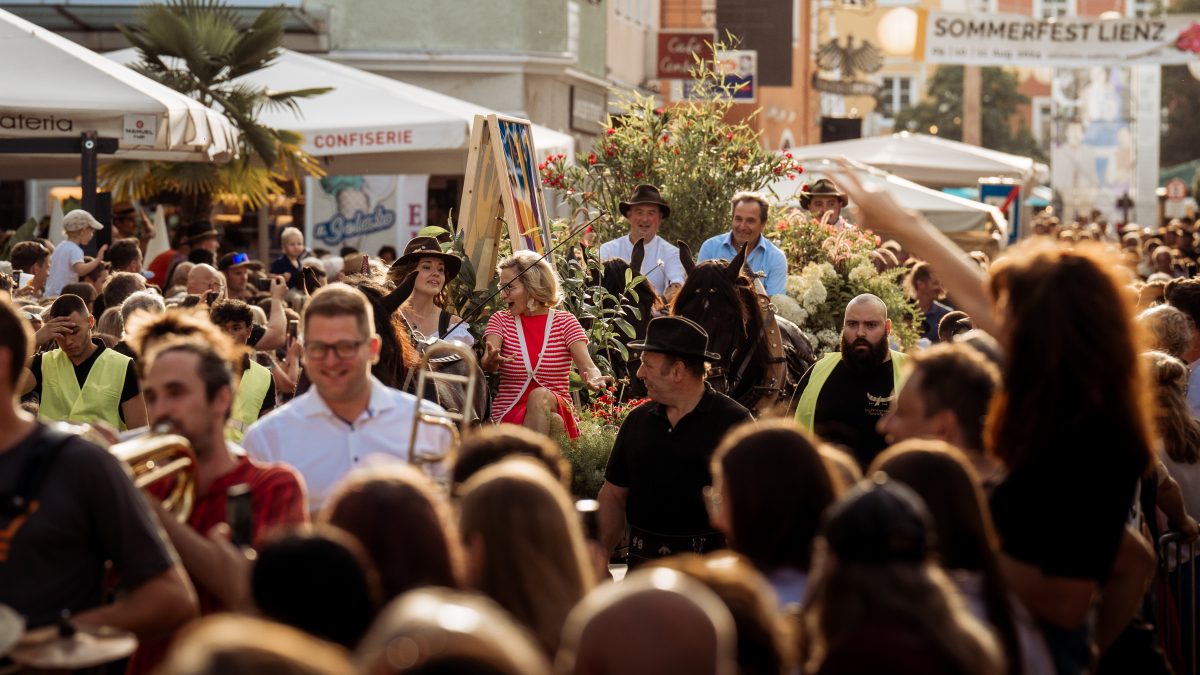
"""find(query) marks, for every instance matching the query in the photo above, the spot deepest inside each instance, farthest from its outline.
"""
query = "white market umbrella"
(928, 160)
(56, 234)
(371, 124)
(55, 88)
(159, 243)
(948, 213)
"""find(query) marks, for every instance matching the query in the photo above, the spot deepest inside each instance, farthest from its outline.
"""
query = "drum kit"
(62, 647)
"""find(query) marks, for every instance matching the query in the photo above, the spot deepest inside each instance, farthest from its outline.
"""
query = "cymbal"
(11, 627)
(48, 648)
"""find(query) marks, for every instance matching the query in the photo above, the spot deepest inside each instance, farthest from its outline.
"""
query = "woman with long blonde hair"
(525, 545)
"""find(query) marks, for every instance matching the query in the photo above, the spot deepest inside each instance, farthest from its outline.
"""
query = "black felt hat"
(825, 187)
(201, 230)
(677, 336)
(428, 247)
(645, 194)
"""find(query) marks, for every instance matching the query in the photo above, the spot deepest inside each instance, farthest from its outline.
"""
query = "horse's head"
(719, 296)
(613, 281)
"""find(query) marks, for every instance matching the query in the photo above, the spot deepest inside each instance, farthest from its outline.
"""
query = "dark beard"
(863, 361)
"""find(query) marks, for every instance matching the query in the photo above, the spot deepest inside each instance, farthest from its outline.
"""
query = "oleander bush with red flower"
(696, 158)
(588, 454)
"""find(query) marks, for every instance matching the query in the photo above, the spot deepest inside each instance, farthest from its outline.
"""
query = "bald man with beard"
(655, 621)
(845, 394)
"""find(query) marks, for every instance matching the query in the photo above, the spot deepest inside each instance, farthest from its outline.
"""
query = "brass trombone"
(152, 455)
(456, 423)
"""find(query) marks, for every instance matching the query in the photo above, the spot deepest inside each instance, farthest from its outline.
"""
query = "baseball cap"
(79, 219)
(230, 260)
(879, 521)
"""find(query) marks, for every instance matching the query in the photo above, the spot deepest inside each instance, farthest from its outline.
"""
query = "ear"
(685, 256)
(392, 301)
(223, 400)
(887, 326)
(639, 255)
(734, 268)
(945, 425)
(375, 344)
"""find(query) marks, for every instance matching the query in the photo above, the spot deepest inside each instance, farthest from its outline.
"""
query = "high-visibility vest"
(98, 400)
(806, 410)
(251, 392)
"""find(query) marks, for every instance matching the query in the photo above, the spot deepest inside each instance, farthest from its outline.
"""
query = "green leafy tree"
(200, 48)
(943, 108)
(696, 157)
(1181, 101)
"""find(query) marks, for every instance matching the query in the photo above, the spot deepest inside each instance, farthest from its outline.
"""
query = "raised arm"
(880, 213)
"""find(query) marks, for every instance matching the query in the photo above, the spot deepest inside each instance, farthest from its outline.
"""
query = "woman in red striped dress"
(533, 346)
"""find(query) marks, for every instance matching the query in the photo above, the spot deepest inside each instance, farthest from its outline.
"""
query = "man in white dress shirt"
(347, 415)
(646, 210)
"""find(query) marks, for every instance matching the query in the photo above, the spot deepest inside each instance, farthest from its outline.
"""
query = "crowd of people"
(989, 501)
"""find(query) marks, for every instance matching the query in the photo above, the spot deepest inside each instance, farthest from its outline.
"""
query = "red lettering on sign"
(414, 215)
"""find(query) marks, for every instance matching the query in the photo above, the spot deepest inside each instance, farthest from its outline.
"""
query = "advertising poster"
(1092, 151)
(365, 212)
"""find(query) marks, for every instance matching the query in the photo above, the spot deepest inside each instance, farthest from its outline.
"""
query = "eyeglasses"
(344, 349)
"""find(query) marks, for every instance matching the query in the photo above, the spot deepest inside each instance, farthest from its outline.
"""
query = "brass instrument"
(157, 454)
(443, 350)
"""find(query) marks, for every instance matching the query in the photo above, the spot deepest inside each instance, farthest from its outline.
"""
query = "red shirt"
(553, 368)
(277, 499)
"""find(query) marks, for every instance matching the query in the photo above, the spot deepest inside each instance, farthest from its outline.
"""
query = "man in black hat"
(202, 234)
(646, 210)
(659, 465)
(825, 197)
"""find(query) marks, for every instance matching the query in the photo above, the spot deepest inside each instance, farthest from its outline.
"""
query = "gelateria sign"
(1014, 39)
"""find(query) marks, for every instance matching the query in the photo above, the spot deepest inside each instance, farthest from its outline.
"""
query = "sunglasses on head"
(240, 259)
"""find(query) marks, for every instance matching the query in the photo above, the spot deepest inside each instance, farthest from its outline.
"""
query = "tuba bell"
(157, 455)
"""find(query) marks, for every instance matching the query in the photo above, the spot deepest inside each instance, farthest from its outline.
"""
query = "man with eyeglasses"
(347, 416)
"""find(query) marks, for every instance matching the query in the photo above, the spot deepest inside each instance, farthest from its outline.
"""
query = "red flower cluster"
(552, 171)
(1189, 39)
(789, 166)
(610, 410)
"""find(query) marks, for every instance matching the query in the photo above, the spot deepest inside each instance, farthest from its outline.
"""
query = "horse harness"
(775, 377)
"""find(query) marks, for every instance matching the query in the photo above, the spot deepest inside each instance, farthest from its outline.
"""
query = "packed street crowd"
(1014, 494)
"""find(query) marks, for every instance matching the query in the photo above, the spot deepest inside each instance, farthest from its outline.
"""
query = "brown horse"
(721, 297)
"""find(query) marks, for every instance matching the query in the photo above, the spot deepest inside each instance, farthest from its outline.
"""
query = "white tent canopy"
(930, 161)
(371, 124)
(54, 88)
(950, 214)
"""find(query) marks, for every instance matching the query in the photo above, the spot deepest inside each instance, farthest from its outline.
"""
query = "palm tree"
(200, 48)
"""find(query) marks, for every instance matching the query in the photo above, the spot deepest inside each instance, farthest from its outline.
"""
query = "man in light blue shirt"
(763, 257)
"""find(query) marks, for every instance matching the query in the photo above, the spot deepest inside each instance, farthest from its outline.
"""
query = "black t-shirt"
(128, 390)
(850, 405)
(88, 512)
(1065, 515)
(666, 468)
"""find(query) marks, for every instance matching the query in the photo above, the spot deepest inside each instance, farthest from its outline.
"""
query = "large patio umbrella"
(930, 161)
(968, 223)
(371, 124)
(55, 91)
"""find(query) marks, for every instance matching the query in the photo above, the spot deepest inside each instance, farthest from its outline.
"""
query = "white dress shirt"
(306, 435)
(661, 264)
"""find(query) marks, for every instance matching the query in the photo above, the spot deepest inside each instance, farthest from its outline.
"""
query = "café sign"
(677, 52)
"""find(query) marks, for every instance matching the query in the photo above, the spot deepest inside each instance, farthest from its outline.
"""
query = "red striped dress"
(546, 363)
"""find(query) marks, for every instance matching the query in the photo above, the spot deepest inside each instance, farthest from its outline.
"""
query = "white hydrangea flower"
(789, 309)
(828, 339)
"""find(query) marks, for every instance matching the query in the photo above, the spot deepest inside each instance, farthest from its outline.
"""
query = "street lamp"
(897, 32)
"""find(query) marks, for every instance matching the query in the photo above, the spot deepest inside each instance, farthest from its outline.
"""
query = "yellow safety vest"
(251, 391)
(98, 400)
(806, 410)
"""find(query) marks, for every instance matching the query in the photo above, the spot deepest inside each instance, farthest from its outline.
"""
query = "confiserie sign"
(676, 50)
(1004, 39)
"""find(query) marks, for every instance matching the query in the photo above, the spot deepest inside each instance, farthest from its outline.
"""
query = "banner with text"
(1013, 39)
(365, 212)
